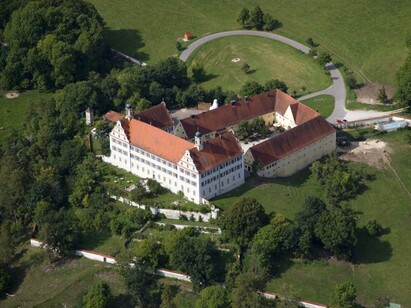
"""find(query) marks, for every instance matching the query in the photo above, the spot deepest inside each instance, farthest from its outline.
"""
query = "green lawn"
(382, 265)
(324, 104)
(361, 106)
(267, 59)
(368, 36)
(13, 111)
(39, 285)
(125, 179)
(102, 242)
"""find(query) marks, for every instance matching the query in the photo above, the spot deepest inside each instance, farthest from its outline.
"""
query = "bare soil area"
(12, 95)
(368, 93)
(372, 152)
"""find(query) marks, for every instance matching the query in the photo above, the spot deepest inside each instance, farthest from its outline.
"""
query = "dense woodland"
(51, 185)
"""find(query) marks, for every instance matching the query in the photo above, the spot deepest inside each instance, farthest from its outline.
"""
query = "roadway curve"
(337, 89)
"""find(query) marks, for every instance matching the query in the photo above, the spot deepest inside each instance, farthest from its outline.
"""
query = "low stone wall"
(206, 230)
(169, 213)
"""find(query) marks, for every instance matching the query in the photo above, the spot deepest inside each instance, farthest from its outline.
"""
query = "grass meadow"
(381, 266)
(267, 59)
(368, 36)
(323, 104)
(13, 111)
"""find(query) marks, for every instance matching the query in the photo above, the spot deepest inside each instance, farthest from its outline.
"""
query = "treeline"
(51, 44)
(257, 19)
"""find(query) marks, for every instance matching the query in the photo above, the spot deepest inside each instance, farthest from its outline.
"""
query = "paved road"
(337, 89)
(190, 49)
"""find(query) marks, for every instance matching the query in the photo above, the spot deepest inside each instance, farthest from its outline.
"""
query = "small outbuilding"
(187, 36)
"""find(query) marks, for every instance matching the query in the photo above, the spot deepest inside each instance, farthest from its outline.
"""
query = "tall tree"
(247, 291)
(344, 296)
(403, 91)
(244, 16)
(257, 18)
(99, 296)
(198, 257)
(242, 221)
(336, 230)
(382, 95)
(142, 286)
(251, 88)
(213, 297)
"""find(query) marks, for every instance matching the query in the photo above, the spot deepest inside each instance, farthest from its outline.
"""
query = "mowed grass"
(382, 265)
(323, 104)
(267, 59)
(13, 111)
(368, 36)
(361, 106)
(38, 284)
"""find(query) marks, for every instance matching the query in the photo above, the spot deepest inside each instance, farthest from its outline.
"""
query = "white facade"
(181, 177)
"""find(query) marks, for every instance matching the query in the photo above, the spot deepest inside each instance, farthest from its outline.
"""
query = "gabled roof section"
(157, 116)
(216, 151)
(155, 140)
(292, 140)
(113, 116)
(230, 114)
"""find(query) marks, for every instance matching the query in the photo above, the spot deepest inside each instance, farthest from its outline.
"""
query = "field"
(366, 35)
(39, 284)
(382, 265)
(324, 104)
(13, 111)
(267, 59)
(361, 106)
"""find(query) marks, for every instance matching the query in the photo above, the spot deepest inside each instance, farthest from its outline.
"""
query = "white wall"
(169, 213)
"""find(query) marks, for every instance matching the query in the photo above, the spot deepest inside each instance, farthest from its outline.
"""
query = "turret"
(129, 112)
(197, 140)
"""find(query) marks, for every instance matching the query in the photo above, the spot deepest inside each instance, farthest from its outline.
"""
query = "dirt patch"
(368, 93)
(372, 152)
(11, 95)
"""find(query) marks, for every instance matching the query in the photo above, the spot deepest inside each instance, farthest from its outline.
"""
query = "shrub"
(374, 228)
(183, 217)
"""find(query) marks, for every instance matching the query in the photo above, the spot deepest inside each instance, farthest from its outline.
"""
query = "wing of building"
(201, 171)
(157, 116)
(204, 159)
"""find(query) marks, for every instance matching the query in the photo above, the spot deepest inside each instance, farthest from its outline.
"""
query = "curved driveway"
(337, 89)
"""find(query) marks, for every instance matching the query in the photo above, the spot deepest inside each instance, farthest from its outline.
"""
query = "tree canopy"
(403, 91)
(243, 220)
(99, 296)
(53, 43)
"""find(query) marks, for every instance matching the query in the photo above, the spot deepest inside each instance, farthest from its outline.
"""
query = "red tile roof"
(155, 140)
(292, 140)
(113, 116)
(216, 151)
(230, 114)
(157, 116)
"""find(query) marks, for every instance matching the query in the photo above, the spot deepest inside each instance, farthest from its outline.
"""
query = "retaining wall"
(169, 213)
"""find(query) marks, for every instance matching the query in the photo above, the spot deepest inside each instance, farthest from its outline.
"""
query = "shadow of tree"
(371, 249)
(208, 77)
(128, 41)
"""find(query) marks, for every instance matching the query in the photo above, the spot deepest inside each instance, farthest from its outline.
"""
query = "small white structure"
(89, 116)
(214, 105)
(391, 126)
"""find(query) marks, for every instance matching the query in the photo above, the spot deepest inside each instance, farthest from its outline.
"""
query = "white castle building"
(204, 158)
